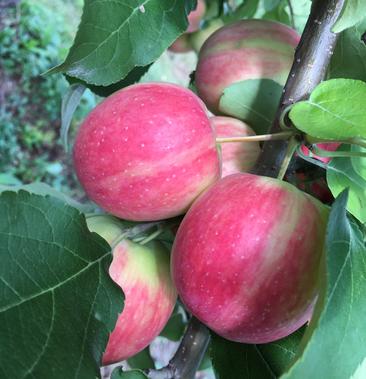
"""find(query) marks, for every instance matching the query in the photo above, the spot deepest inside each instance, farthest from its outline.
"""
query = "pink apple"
(195, 17)
(246, 257)
(142, 271)
(146, 152)
(182, 43)
(330, 146)
(236, 156)
(247, 49)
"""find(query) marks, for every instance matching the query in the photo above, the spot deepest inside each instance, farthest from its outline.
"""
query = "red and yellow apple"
(247, 49)
(146, 152)
(142, 271)
(246, 257)
(235, 156)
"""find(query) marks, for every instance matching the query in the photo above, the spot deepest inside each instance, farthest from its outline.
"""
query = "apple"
(142, 271)
(328, 146)
(182, 43)
(247, 49)
(246, 257)
(146, 152)
(235, 156)
(198, 38)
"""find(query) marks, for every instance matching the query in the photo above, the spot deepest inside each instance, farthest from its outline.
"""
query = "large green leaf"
(359, 163)
(353, 11)
(115, 36)
(44, 189)
(254, 101)
(349, 58)
(343, 173)
(334, 345)
(232, 360)
(335, 110)
(58, 303)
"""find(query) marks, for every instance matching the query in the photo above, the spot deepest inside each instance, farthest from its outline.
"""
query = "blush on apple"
(146, 152)
(235, 156)
(142, 271)
(247, 49)
(246, 257)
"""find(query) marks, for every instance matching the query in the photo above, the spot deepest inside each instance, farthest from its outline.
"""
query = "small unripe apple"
(246, 257)
(146, 152)
(142, 271)
(182, 44)
(247, 49)
(328, 146)
(195, 17)
(198, 38)
(235, 156)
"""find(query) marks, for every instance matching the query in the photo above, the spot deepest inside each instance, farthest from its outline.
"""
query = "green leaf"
(353, 11)
(269, 5)
(70, 101)
(359, 163)
(174, 328)
(134, 374)
(334, 345)
(349, 58)
(132, 77)
(254, 101)
(115, 36)
(232, 360)
(44, 189)
(58, 303)
(341, 174)
(278, 14)
(335, 110)
(141, 360)
(246, 10)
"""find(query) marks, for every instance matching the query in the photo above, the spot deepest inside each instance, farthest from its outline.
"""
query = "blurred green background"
(34, 36)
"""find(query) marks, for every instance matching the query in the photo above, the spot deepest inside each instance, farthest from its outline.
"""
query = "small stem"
(152, 236)
(263, 137)
(350, 141)
(291, 148)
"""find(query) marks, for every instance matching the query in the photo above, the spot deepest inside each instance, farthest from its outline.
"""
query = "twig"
(262, 137)
(308, 70)
(189, 355)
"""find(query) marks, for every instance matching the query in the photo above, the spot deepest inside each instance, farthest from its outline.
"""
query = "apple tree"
(228, 213)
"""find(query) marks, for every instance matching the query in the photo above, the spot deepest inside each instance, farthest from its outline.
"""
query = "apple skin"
(329, 146)
(247, 49)
(142, 271)
(195, 17)
(182, 44)
(146, 152)
(246, 256)
(236, 157)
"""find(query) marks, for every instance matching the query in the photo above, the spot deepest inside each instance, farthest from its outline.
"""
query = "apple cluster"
(246, 255)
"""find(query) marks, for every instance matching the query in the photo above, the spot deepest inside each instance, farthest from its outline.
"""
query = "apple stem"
(291, 148)
(188, 357)
(262, 137)
(152, 236)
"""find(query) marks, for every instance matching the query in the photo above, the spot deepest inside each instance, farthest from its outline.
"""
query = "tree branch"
(310, 65)
(189, 355)
(308, 70)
